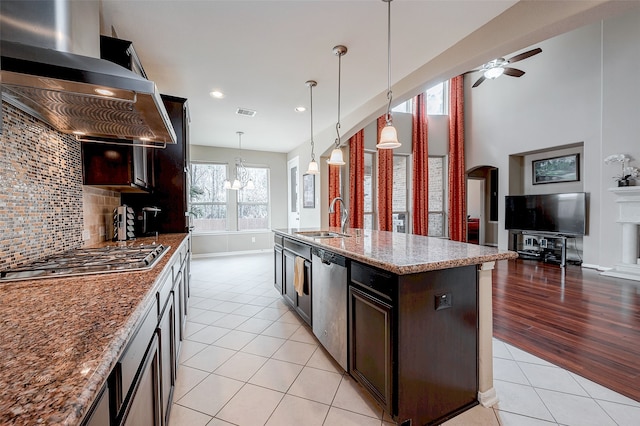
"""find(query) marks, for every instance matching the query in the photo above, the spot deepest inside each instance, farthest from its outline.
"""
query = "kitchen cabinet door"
(117, 167)
(302, 304)
(100, 414)
(144, 408)
(166, 330)
(370, 324)
(278, 270)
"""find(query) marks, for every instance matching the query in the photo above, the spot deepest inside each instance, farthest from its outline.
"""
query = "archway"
(482, 205)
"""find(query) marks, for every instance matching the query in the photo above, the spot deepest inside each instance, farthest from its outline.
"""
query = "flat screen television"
(555, 213)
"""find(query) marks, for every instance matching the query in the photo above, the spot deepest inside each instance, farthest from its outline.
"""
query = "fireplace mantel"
(628, 200)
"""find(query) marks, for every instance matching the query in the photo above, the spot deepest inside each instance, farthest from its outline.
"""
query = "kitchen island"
(419, 318)
(62, 338)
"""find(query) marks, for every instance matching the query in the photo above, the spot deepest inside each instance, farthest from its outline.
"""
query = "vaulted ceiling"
(261, 53)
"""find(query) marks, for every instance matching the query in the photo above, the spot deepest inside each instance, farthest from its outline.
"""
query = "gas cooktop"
(85, 261)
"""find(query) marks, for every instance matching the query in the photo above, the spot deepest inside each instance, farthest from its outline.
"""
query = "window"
(208, 197)
(437, 218)
(369, 188)
(253, 204)
(437, 99)
(401, 188)
(216, 209)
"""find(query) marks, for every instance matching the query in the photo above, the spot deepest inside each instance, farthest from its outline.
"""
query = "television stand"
(540, 245)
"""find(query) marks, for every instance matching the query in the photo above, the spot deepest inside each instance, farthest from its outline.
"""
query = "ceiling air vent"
(246, 112)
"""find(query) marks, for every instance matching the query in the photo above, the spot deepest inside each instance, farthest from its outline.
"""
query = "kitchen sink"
(322, 234)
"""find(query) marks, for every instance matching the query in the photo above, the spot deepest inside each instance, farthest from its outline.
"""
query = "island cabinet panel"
(371, 325)
(437, 344)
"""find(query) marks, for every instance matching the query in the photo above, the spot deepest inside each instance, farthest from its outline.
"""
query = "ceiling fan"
(495, 68)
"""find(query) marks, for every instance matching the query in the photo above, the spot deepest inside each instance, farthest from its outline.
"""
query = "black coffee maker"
(149, 221)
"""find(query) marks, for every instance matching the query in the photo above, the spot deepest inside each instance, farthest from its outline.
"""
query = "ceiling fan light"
(388, 138)
(236, 185)
(492, 73)
(313, 168)
(336, 158)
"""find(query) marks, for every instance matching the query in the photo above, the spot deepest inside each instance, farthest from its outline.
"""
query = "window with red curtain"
(457, 191)
(385, 184)
(356, 180)
(334, 191)
(420, 151)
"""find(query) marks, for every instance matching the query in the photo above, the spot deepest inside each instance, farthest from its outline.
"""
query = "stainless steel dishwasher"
(329, 302)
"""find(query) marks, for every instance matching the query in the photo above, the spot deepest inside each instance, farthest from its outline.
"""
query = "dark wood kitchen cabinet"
(414, 340)
(301, 303)
(371, 321)
(278, 265)
(144, 407)
(117, 167)
(171, 179)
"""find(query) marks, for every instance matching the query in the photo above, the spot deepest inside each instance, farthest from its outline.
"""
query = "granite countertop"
(61, 337)
(401, 253)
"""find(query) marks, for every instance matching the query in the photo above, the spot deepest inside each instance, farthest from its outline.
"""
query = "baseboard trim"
(488, 398)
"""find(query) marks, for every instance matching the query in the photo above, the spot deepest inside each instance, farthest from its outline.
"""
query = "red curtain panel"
(420, 149)
(356, 180)
(385, 184)
(457, 190)
(334, 191)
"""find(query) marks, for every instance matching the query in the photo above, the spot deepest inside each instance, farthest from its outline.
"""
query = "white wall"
(221, 242)
(581, 88)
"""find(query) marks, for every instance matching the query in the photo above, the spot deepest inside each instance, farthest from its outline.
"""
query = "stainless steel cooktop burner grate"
(86, 261)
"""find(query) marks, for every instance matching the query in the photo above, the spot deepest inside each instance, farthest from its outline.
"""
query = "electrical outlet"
(442, 301)
(253, 239)
(86, 235)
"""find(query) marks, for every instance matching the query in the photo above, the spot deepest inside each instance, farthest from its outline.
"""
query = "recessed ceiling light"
(216, 94)
(300, 109)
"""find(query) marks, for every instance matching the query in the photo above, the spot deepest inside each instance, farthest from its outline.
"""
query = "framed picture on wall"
(309, 191)
(556, 169)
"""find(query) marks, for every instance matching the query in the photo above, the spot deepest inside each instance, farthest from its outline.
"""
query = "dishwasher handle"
(328, 257)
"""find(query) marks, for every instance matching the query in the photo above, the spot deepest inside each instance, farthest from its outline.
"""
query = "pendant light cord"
(313, 157)
(338, 123)
(389, 94)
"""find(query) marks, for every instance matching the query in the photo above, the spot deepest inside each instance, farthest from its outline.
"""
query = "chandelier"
(242, 179)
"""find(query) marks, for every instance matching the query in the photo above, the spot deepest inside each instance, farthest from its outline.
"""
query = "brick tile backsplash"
(43, 204)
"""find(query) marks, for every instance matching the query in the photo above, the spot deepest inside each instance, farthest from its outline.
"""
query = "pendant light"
(242, 179)
(336, 155)
(313, 166)
(388, 135)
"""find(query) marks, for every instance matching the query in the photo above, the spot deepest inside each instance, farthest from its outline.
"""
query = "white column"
(486, 392)
(630, 243)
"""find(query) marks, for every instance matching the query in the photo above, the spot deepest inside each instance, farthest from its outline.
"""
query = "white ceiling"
(261, 53)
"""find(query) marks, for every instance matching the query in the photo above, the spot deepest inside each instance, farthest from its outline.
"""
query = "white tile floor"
(249, 360)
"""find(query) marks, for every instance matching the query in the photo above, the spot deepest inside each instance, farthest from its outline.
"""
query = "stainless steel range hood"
(92, 98)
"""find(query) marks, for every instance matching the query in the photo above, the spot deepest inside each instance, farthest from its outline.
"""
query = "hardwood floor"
(572, 317)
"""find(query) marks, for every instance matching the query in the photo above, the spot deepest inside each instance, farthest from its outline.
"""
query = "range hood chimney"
(92, 98)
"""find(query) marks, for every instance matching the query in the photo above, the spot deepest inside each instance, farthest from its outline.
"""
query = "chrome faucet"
(345, 212)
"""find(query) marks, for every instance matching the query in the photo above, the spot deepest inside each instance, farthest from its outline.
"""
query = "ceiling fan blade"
(513, 72)
(524, 55)
(478, 82)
